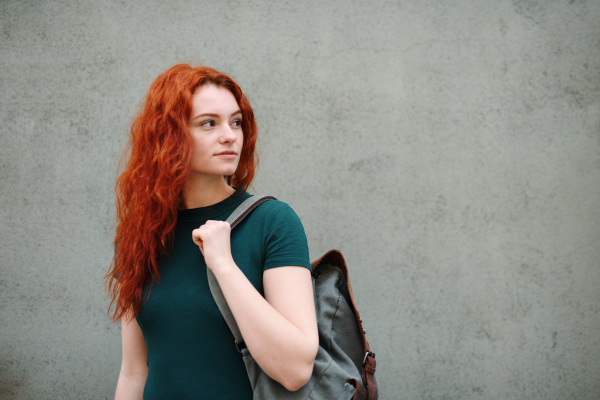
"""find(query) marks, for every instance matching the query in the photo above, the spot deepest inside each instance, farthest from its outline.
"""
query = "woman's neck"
(202, 192)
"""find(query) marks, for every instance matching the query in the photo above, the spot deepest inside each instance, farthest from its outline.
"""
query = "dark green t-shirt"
(191, 352)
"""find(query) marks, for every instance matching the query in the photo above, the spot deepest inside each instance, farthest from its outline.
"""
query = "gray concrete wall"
(451, 150)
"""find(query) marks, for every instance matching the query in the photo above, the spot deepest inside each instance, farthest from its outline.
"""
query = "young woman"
(189, 162)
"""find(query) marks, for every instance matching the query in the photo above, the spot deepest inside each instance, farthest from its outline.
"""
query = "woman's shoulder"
(275, 210)
(274, 217)
(284, 236)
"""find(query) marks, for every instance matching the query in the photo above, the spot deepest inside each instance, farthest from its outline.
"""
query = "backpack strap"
(235, 218)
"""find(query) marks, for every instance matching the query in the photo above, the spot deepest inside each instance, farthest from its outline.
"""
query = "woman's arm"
(133, 364)
(280, 330)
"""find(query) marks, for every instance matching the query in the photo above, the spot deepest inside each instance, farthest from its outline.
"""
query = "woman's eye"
(208, 123)
(237, 122)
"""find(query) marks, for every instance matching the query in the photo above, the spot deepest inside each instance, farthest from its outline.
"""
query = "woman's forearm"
(284, 350)
(130, 387)
(134, 369)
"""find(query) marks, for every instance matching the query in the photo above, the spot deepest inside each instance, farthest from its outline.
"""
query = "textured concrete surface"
(451, 150)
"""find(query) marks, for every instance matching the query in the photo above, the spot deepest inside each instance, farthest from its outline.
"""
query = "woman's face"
(216, 127)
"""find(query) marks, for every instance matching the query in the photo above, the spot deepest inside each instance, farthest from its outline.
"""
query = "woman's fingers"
(212, 229)
(213, 239)
(197, 239)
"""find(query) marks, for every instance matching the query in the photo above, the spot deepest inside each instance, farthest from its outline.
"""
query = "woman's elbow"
(303, 372)
(300, 378)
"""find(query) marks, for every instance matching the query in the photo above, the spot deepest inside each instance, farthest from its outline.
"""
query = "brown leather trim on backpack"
(334, 257)
(368, 371)
(360, 393)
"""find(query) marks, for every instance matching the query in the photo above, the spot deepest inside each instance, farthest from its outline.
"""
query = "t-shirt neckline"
(215, 210)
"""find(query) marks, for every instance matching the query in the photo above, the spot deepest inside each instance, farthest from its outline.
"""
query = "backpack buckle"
(240, 346)
(367, 354)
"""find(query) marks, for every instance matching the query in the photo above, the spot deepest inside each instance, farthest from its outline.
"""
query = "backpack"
(344, 366)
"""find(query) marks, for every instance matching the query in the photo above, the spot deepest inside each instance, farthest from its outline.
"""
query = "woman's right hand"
(213, 239)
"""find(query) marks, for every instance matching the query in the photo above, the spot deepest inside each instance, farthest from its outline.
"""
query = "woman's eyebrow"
(205, 115)
(215, 115)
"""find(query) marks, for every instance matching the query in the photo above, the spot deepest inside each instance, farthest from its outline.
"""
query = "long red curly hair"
(149, 189)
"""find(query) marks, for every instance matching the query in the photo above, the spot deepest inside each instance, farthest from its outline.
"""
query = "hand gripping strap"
(235, 218)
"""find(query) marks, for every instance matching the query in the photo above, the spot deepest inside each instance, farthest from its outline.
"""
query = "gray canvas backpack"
(345, 366)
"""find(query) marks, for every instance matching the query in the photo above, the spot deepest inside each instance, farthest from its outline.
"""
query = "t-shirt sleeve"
(285, 240)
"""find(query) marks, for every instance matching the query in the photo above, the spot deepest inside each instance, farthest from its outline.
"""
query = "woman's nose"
(228, 135)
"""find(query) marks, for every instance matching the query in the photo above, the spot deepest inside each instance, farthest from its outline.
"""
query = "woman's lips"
(227, 155)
